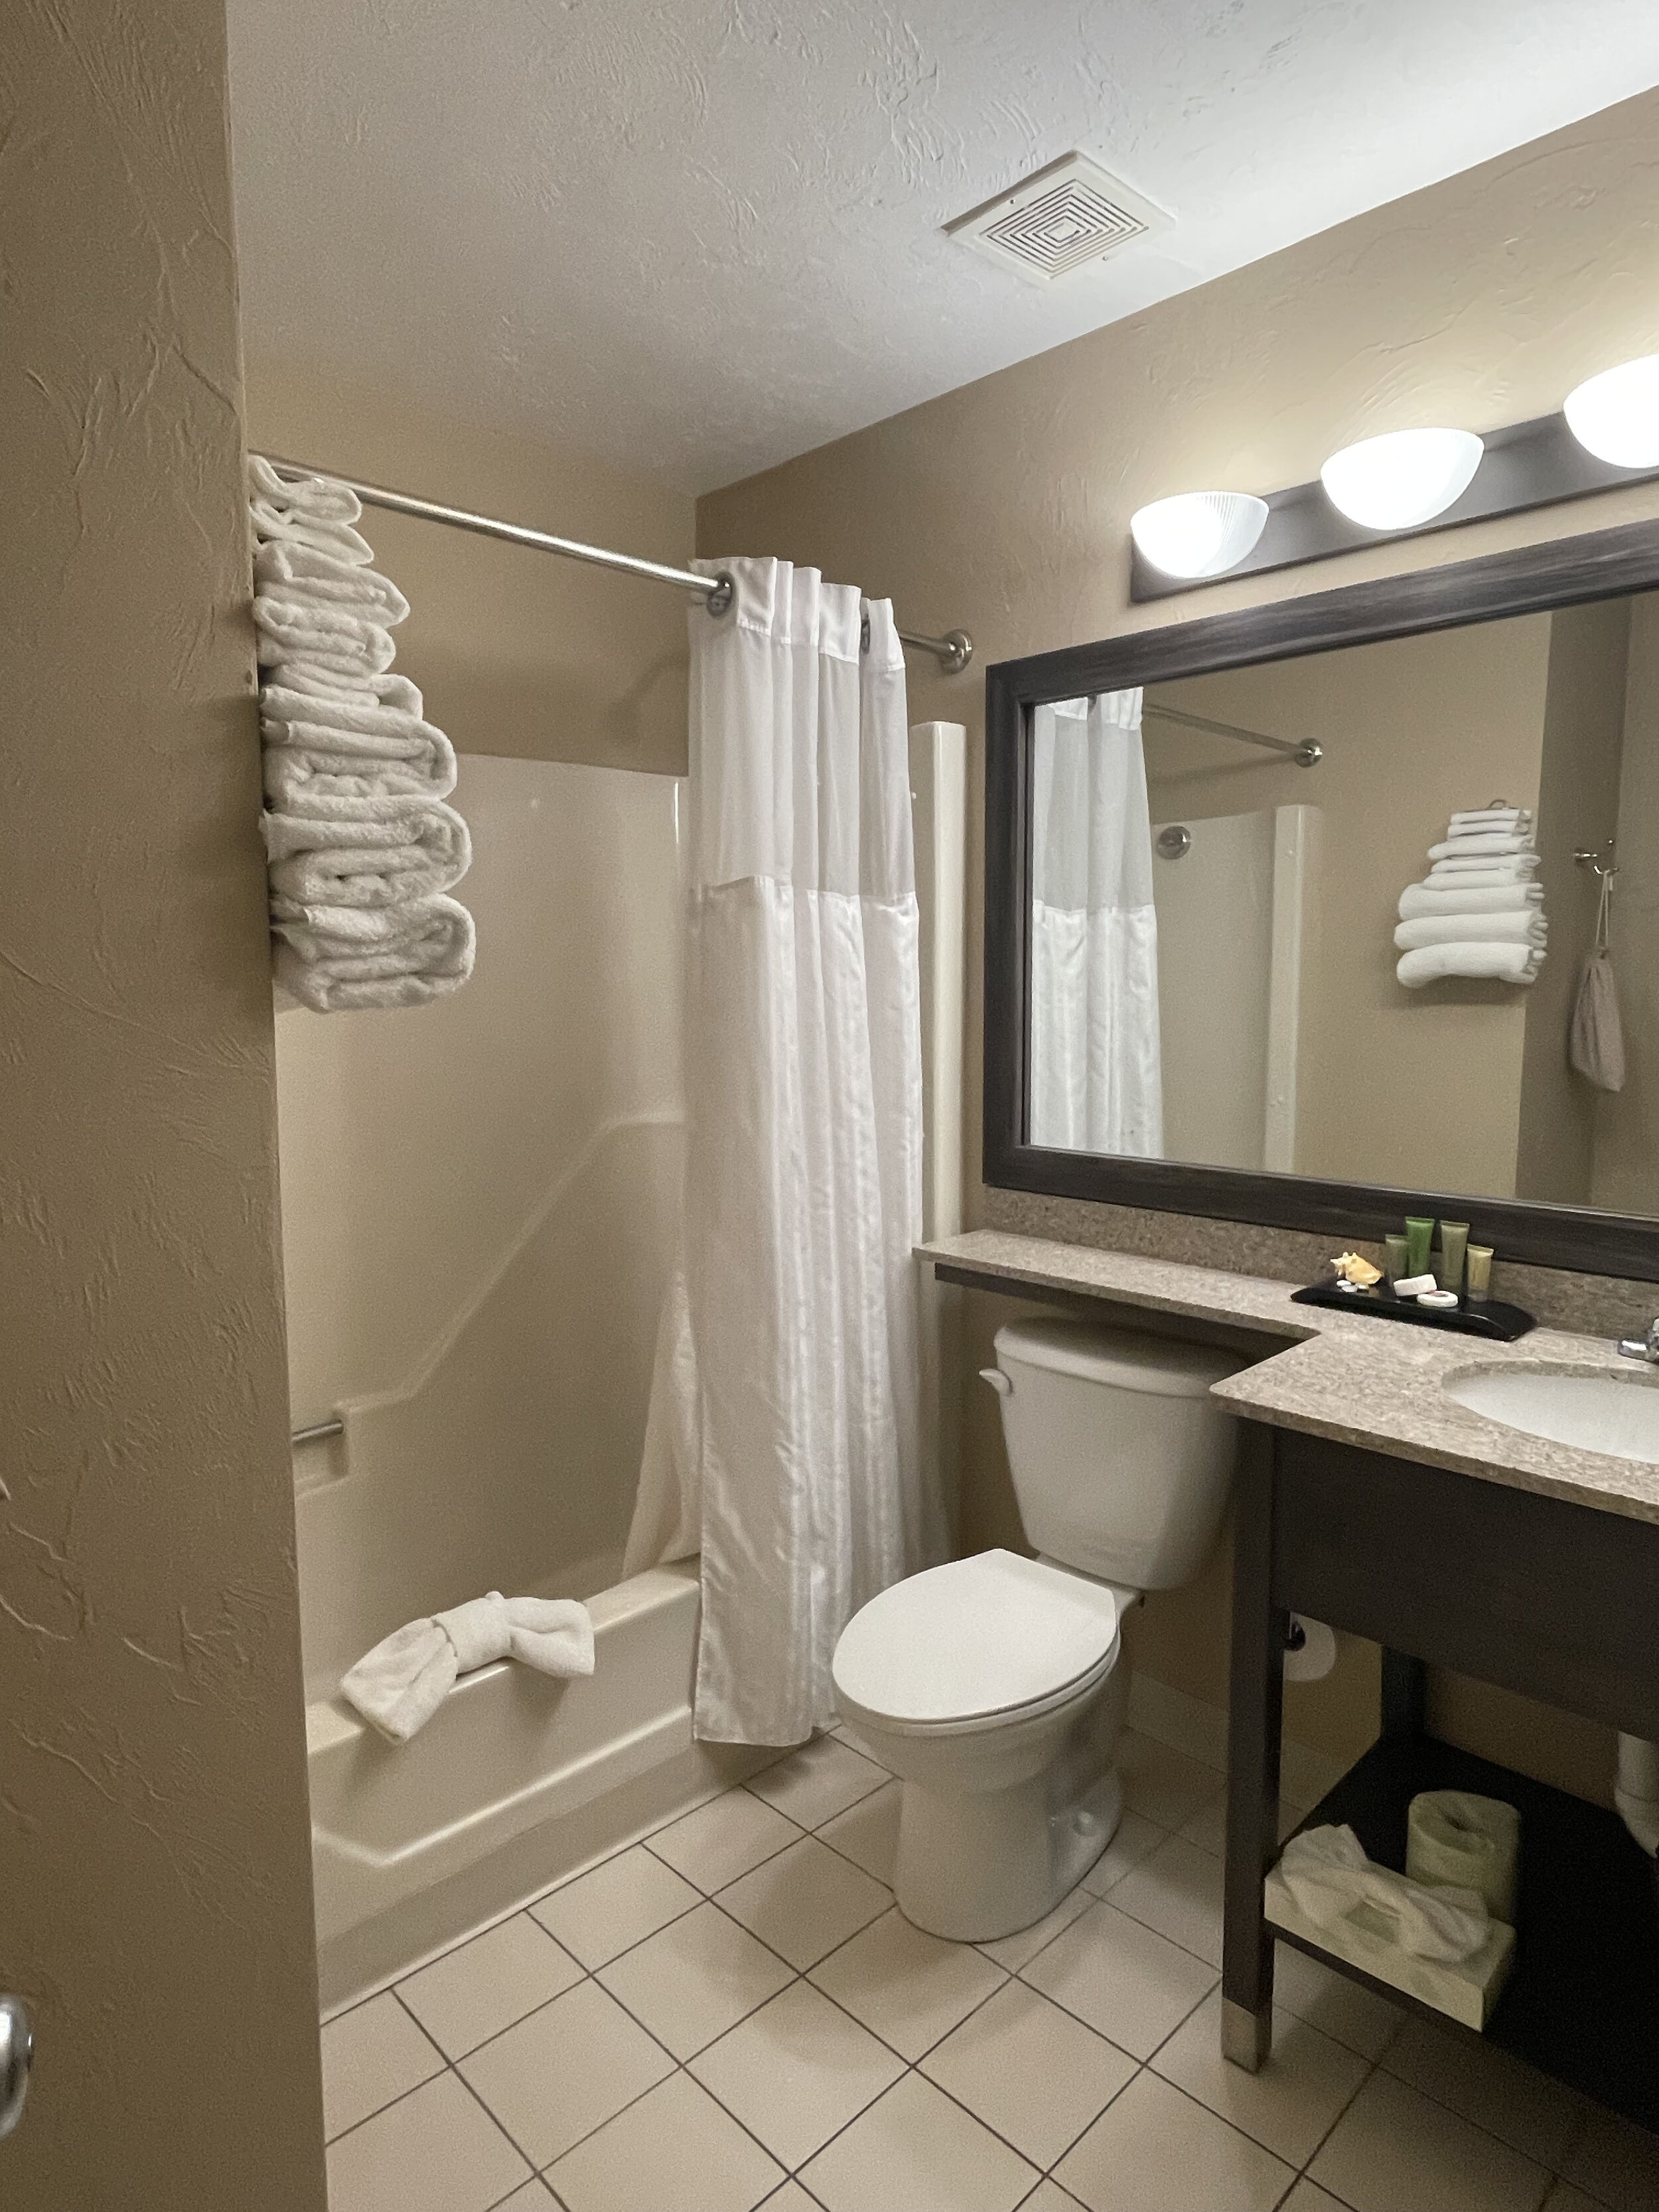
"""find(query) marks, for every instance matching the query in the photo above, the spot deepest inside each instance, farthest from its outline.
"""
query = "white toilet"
(992, 1687)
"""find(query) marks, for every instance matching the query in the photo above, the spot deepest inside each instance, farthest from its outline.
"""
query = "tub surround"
(1354, 1379)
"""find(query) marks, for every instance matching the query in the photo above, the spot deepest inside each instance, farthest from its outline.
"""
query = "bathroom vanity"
(1553, 1593)
(1371, 1497)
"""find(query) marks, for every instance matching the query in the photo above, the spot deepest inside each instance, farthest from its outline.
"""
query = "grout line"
(627, 1949)
(397, 1998)
(795, 1975)
(800, 1833)
(541, 2172)
(1042, 2171)
(1369, 2075)
(496, 2121)
(366, 2117)
(546, 2005)
(816, 1828)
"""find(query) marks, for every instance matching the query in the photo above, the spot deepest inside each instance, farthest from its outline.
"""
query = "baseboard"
(1189, 1724)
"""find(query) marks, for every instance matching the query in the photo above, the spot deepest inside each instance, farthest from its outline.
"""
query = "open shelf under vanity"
(1582, 2002)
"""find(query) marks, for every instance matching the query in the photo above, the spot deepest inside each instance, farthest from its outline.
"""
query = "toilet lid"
(978, 1637)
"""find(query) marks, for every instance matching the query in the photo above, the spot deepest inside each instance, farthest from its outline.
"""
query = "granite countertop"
(1353, 1378)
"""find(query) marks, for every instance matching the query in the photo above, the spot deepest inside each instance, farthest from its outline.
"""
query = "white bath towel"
(305, 511)
(1502, 868)
(331, 638)
(288, 571)
(1478, 819)
(1521, 926)
(387, 703)
(1481, 841)
(401, 1683)
(358, 959)
(298, 777)
(360, 744)
(337, 539)
(1453, 898)
(319, 499)
(385, 850)
(1501, 963)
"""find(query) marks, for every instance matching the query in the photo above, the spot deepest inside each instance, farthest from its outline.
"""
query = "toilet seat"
(975, 1643)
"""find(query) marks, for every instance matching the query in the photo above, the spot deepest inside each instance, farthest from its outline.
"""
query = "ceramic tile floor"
(733, 2013)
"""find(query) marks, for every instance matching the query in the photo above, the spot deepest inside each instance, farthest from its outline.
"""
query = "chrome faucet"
(1643, 1347)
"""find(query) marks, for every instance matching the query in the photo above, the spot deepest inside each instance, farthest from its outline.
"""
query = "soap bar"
(1441, 1300)
(1412, 1287)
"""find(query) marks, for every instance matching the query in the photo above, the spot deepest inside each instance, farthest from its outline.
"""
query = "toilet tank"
(1121, 1460)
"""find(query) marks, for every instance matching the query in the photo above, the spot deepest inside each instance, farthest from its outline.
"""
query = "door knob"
(16, 2056)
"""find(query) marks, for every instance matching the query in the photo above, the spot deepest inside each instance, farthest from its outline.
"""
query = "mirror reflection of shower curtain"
(1095, 1065)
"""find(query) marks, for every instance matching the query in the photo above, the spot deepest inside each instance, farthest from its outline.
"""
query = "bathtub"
(516, 1781)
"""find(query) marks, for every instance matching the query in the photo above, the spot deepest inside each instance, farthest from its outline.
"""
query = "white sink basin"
(1614, 1414)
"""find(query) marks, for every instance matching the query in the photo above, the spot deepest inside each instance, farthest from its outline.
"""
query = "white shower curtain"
(783, 1438)
(1095, 1079)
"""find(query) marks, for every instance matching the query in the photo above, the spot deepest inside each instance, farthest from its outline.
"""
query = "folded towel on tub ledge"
(401, 1683)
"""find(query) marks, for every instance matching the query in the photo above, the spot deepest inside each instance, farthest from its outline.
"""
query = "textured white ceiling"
(697, 238)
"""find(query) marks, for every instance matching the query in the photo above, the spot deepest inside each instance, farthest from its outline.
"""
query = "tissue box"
(1466, 1990)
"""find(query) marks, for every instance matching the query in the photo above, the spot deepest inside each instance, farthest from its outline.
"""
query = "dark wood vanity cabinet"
(1557, 1599)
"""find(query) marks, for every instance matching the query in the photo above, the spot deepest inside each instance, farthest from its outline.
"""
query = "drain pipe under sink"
(1636, 1792)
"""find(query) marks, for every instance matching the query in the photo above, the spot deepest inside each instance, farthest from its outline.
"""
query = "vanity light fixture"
(1604, 436)
(1615, 415)
(1402, 479)
(1199, 533)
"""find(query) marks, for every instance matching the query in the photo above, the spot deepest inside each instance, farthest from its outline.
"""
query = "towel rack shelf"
(317, 1431)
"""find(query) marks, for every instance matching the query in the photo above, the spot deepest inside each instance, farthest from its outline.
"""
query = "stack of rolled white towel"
(1480, 910)
(362, 848)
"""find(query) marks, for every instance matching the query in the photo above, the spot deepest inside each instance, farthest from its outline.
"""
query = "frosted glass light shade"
(1199, 533)
(1402, 479)
(1615, 415)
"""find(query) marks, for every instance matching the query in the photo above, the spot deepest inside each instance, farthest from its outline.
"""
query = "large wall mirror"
(1288, 912)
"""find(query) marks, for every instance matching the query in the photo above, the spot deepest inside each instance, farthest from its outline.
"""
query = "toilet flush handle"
(998, 1381)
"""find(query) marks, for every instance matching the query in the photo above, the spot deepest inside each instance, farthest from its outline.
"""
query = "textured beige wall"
(518, 651)
(1004, 506)
(155, 1897)
(1577, 807)
(1416, 1088)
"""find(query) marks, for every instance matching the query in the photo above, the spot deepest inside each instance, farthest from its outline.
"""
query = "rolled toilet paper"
(1456, 1840)
(1315, 1656)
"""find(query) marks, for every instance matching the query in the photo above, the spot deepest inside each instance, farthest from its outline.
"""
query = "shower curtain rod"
(953, 651)
(1305, 752)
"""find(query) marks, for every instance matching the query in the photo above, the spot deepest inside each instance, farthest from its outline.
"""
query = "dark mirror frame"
(1603, 564)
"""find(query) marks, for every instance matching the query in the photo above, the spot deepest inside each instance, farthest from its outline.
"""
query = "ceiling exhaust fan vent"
(1069, 214)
